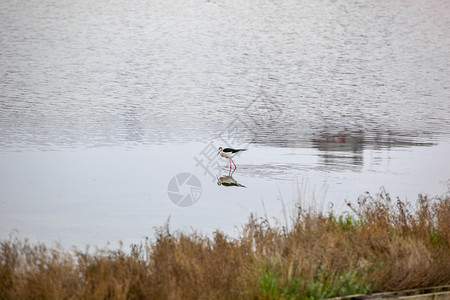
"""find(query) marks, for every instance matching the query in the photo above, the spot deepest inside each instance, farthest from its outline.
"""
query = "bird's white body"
(228, 154)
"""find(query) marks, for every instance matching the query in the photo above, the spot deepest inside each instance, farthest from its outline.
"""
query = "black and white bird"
(230, 153)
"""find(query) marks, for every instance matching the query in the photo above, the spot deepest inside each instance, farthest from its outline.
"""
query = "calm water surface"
(102, 103)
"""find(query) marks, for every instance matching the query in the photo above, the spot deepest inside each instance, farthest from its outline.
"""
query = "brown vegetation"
(383, 245)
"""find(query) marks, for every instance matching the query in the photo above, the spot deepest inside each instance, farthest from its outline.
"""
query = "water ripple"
(146, 72)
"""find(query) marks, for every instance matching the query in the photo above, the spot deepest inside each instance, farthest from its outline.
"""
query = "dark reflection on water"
(332, 146)
(347, 149)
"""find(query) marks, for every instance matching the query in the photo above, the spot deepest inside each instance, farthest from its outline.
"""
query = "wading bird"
(230, 153)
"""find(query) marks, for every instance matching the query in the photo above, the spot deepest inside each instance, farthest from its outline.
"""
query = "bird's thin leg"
(233, 163)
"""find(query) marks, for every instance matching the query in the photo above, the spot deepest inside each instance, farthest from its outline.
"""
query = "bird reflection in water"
(228, 180)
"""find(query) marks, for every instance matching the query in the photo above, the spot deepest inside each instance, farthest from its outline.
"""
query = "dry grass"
(383, 245)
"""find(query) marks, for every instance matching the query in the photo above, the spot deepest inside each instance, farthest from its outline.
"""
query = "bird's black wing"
(231, 150)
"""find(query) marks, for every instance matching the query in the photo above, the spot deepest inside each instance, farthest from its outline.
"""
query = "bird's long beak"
(218, 152)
